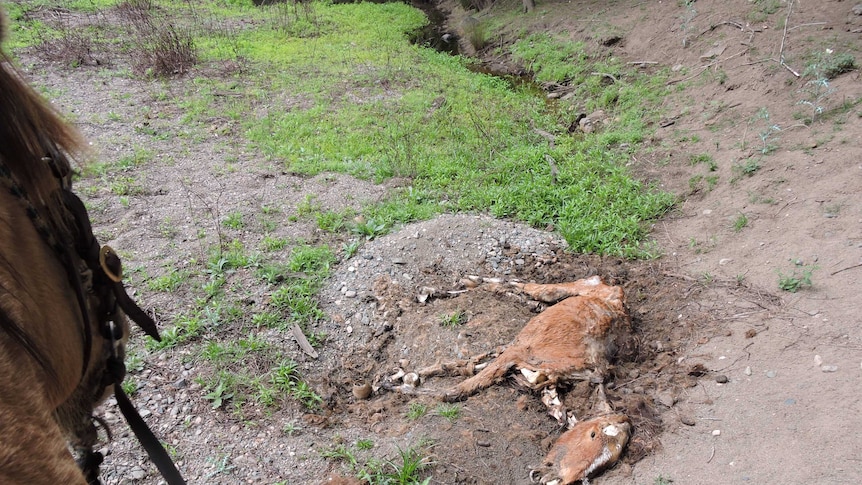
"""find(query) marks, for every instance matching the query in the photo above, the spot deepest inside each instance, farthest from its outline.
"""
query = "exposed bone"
(361, 390)
(534, 377)
(466, 367)
(411, 379)
(552, 293)
(551, 400)
(399, 373)
(427, 292)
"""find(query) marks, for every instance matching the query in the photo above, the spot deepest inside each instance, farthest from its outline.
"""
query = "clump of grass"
(407, 469)
(416, 410)
(168, 282)
(284, 379)
(449, 411)
(453, 319)
(234, 220)
(746, 169)
(705, 159)
(740, 222)
(370, 228)
(798, 278)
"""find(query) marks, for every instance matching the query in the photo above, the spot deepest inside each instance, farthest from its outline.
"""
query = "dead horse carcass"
(570, 340)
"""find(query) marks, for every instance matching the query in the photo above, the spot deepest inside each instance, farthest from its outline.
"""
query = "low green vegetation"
(454, 319)
(740, 222)
(409, 468)
(465, 141)
(799, 277)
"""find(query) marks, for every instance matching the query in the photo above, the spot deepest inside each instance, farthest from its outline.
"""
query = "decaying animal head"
(590, 446)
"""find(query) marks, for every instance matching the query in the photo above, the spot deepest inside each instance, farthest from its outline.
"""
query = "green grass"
(409, 468)
(796, 279)
(449, 411)
(453, 319)
(169, 282)
(345, 91)
(740, 222)
(475, 152)
(416, 410)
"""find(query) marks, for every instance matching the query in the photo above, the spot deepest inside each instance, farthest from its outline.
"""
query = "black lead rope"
(148, 440)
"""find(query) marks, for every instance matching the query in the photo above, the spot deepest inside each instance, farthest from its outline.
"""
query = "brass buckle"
(105, 253)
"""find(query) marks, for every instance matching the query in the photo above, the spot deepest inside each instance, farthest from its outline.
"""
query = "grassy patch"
(462, 139)
(797, 278)
(409, 468)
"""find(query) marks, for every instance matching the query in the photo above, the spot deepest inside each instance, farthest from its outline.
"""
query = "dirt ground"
(729, 380)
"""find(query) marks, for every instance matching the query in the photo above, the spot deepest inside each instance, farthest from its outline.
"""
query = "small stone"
(137, 474)
(707, 212)
(484, 444)
(724, 261)
(721, 379)
(362, 391)
(398, 261)
(790, 401)
(818, 361)
(770, 374)
(351, 269)
(687, 420)
(857, 9)
(829, 368)
(747, 371)
(349, 329)
(716, 432)
(350, 294)
(667, 399)
(181, 383)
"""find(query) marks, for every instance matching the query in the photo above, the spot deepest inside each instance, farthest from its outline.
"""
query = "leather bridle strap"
(106, 265)
(154, 448)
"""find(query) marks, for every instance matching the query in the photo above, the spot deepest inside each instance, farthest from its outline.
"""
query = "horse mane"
(31, 129)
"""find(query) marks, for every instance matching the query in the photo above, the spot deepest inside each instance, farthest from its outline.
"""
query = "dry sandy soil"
(731, 380)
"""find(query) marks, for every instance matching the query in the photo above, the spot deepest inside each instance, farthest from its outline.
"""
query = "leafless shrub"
(67, 40)
(137, 13)
(167, 51)
(72, 47)
(162, 48)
